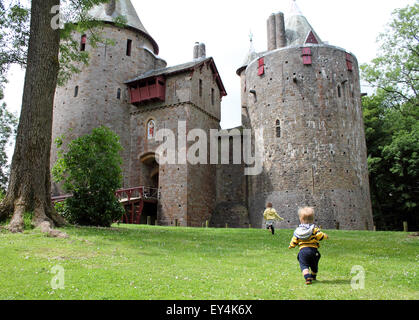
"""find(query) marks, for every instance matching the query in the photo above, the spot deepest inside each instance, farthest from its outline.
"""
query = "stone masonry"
(303, 93)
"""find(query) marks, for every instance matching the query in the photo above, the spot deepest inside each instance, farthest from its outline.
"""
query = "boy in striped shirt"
(307, 236)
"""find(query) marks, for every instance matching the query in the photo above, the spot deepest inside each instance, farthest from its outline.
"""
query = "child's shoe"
(314, 277)
(309, 279)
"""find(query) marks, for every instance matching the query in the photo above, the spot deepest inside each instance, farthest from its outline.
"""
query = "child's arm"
(278, 217)
(321, 235)
(294, 243)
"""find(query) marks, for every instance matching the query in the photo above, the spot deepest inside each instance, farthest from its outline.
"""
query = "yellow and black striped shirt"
(312, 242)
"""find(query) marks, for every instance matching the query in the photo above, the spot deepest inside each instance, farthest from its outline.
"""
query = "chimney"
(281, 40)
(271, 32)
(196, 51)
(202, 51)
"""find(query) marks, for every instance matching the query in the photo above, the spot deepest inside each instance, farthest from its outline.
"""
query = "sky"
(225, 25)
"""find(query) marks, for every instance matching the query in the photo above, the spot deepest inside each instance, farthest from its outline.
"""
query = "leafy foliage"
(396, 69)
(393, 160)
(91, 171)
(15, 32)
(391, 118)
(8, 125)
(14, 35)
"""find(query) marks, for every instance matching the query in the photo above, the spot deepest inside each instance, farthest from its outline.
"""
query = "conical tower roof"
(251, 55)
(298, 29)
(107, 12)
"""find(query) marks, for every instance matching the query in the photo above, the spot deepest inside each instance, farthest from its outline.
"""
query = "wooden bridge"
(133, 200)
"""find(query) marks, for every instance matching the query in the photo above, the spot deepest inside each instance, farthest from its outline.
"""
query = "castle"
(302, 94)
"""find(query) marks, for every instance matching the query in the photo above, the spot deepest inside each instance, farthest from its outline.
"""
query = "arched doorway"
(149, 178)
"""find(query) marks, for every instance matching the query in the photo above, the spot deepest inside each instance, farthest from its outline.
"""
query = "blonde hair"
(306, 214)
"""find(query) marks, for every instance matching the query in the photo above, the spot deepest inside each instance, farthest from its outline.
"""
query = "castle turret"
(251, 55)
(97, 95)
(107, 12)
(306, 98)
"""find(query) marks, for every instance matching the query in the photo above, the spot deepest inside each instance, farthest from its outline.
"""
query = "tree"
(91, 171)
(13, 35)
(396, 69)
(30, 182)
(8, 123)
(392, 138)
(29, 187)
(391, 117)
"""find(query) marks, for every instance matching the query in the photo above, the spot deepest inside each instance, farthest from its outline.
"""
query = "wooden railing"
(124, 195)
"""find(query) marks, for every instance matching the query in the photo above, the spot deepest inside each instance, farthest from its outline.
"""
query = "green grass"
(142, 262)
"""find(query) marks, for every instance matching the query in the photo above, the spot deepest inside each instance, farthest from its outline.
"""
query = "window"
(118, 94)
(129, 47)
(278, 128)
(212, 96)
(151, 125)
(83, 43)
(76, 91)
(339, 92)
(200, 87)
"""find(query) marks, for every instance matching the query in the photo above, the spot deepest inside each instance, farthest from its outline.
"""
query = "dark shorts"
(309, 259)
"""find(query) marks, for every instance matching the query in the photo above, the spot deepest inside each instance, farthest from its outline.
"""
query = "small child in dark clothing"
(307, 236)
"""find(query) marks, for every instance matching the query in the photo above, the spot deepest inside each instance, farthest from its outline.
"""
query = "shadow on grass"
(339, 282)
(166, 240)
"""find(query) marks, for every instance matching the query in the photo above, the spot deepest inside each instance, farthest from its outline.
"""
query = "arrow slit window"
(83, 43)
(278, 128)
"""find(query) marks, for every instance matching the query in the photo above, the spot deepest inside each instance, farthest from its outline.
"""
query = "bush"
(91, 171)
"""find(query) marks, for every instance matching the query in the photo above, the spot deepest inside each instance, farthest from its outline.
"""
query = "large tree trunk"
(30, 186)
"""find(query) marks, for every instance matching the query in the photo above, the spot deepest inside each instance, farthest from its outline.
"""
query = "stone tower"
(98, 96)
(129, 89)
(189, 99)
(305, 95)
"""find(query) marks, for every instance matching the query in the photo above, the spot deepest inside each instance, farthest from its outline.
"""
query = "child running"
(270, 215)
(307, 236)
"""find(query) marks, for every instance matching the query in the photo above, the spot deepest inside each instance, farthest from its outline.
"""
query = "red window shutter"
(349, 62)
(307, 60)
(306, 51)
(261, 68)
(307, 56)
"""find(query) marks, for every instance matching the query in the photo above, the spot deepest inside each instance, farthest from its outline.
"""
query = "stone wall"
(97, 103)
(320, 157)
(187, 190)
(231, 187)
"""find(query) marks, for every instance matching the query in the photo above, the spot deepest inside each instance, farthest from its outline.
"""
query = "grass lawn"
(142, 262)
